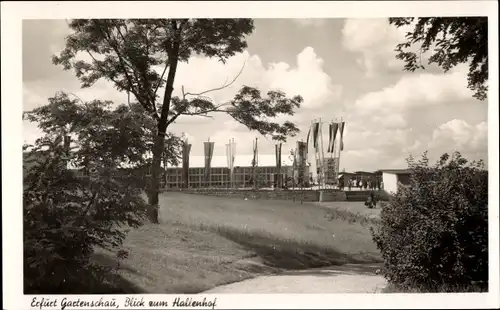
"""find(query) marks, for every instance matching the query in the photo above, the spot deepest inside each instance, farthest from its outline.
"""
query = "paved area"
(348, 278)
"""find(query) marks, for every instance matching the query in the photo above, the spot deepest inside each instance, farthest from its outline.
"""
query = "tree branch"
(123, 64)
(217, 88)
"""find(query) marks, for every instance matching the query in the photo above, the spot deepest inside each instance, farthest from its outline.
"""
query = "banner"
(230, 150)
(209, 152)
(341, 129)
(186, 149)
(278, 163)
(315, 135)
(301, 161)
(307, 139)
(254, 160)
(333, 134)
(255, 163)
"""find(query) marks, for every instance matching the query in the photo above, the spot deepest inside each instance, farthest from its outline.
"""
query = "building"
(392, 177)
(265, 173)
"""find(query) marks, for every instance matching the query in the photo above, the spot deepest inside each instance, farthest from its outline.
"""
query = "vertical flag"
(335, 128)
(330, 132)
(307, 139)
(315, 135)
(341, 129)
(278, 163)
(186, 149)
(254, 163)
(302, 159)
(230, 151)
(209, 151)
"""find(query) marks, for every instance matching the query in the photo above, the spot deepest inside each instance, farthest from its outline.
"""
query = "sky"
(343, 68)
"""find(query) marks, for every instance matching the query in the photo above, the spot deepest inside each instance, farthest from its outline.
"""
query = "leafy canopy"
(117, 137)
(453, 40)
(131, 53)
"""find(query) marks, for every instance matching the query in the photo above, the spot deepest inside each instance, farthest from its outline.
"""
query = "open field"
(353, 207)
(203, 242)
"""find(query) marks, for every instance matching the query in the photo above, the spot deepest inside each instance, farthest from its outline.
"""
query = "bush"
(433, 234)
(66, 216)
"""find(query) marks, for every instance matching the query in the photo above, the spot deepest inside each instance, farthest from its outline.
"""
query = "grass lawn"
(204, 241)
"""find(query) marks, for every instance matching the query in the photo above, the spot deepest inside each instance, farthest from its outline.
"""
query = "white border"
(11, 58)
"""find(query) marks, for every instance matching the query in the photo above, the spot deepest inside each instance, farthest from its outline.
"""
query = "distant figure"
(349, 184)
(371, 202)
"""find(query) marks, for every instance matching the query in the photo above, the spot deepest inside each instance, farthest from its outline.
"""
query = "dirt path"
(348, 278)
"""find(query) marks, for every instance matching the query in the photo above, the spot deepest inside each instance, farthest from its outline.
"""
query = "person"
(371, 202)
(349, 184)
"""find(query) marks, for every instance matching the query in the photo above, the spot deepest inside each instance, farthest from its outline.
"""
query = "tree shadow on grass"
(288, 255)
(95, 278)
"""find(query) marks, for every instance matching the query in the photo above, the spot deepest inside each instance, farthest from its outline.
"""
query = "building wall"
(219, 177)
(390, 182)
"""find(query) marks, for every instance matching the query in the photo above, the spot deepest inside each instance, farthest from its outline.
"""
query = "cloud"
(417, 90)
(306, 78)
(374, 39)
(458, 135)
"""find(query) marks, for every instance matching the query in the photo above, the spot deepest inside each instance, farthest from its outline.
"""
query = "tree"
(433, 234)
(126, 52)
(78, 193)
(454, 40)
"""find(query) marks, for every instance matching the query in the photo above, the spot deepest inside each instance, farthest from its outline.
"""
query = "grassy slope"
(208, 241)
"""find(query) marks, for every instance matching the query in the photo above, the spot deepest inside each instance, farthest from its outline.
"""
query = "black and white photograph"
(201, 157)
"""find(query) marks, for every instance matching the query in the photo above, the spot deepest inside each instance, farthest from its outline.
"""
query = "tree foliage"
(120, 136)
(78, 193)
(130, 53)
(433, 234)
(453, 40)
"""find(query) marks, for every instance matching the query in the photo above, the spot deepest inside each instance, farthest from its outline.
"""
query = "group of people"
(365, 184)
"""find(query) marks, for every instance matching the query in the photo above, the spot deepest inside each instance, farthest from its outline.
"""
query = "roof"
(396, 171)
(264, 160)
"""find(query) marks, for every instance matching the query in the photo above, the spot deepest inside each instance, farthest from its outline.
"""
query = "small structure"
(392, 177)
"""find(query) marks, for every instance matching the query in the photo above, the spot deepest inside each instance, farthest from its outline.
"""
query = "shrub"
(433, 234)
(67, 215)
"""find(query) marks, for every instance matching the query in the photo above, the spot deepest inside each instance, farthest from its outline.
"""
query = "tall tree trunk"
(155, 179)
(159, 145)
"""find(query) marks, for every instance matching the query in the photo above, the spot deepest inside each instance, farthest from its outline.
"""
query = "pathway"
(349, 278)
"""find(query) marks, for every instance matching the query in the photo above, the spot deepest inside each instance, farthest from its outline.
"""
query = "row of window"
(223, 171)
(217, 178)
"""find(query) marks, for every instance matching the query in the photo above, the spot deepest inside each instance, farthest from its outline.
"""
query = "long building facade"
(265, 174)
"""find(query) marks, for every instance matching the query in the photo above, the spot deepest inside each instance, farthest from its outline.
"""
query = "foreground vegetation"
(433, 234)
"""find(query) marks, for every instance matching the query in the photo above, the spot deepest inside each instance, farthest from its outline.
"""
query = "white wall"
(390, 182)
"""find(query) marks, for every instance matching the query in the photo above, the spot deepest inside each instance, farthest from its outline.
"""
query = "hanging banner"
(335, 128)
(255, 163)
(315, 135)
(254, 160)
(330, 133)
(230, 151)
(209, 152)
(307, 139)
(186, 149)
(341, 129)
(278, 163)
